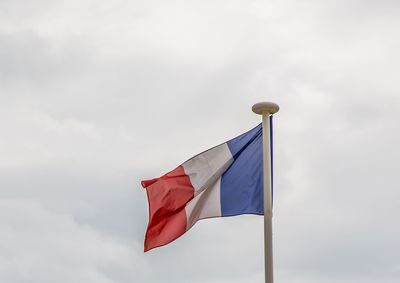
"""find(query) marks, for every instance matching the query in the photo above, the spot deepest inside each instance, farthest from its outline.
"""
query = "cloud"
(96, 96)
(40, 245)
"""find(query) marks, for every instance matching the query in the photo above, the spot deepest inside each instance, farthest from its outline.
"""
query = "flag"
(225, 180)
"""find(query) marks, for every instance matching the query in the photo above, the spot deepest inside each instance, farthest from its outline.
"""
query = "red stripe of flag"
(167, 196)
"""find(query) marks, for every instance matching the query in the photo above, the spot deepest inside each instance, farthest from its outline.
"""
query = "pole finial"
(265, 108)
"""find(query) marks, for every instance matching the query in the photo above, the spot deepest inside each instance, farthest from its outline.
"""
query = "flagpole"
(266, 109)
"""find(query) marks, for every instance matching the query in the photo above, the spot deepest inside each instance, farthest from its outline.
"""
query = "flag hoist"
(232, 178)
(267, 109)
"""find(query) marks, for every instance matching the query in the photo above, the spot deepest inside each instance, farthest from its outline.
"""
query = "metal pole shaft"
(266, 109)
(269, 276)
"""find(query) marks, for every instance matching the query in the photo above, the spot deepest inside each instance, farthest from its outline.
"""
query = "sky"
(96, 96)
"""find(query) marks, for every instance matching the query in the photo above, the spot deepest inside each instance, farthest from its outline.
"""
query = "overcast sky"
(98, 95)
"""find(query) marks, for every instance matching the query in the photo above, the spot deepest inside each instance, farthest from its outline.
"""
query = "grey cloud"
(43, 246)
(97, 96)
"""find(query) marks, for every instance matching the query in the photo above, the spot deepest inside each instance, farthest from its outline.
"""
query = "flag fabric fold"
(225, 180)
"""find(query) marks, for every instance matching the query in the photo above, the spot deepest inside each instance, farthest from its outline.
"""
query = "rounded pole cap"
(265, 108)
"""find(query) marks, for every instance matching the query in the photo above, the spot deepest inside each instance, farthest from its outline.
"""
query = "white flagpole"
(266, 109)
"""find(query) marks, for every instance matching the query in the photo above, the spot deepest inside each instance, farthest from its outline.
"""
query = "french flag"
(225, 180)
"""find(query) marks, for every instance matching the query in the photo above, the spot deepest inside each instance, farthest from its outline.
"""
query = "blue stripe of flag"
(242, 183)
